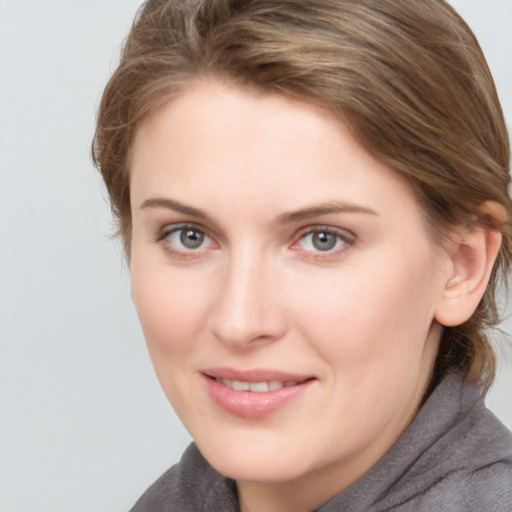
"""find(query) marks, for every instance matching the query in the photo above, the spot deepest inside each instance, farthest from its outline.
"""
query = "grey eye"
(323, 240)
(191, 238)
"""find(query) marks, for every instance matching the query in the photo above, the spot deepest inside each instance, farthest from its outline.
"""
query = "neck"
(278, 498)
(307, 492)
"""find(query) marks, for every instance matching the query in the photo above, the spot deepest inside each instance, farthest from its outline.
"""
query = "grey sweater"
(455, 457)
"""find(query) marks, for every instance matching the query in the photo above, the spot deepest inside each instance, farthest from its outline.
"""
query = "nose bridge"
(247, 309)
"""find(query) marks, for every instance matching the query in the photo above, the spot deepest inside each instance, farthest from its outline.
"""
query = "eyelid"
(346, 236)
(167, 230)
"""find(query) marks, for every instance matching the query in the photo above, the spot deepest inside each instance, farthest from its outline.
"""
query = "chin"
(263, 472)
(253, 463)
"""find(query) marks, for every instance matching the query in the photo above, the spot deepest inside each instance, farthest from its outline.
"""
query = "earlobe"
(472, 261)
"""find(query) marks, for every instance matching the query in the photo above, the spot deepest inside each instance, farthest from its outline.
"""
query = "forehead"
(224, 147)
(210, 112)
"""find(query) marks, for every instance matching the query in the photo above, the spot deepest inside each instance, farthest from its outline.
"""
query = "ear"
(472, 256)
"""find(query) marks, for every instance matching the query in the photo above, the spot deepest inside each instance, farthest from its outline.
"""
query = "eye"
(324, 240)
(185, 239)
(190, 238)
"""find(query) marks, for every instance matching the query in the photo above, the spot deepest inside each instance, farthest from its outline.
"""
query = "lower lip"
(249, 404)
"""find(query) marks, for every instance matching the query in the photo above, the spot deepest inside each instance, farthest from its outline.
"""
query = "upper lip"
(255, 375)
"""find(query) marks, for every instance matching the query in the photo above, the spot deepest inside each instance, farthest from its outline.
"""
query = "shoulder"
(470, 468)
(189, 486)
(490, 488)
(160, 494)
(455, 456)
(486, 489)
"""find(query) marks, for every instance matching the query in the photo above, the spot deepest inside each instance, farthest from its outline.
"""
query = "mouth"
(257, 387)
(254, 394)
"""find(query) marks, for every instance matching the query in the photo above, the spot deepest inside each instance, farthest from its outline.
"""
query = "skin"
(257, 293)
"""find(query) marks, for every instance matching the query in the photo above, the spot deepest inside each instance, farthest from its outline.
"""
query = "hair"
(408, 78)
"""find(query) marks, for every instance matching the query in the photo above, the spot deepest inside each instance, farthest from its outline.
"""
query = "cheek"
(170, 310)
(375, 314)
(171, 316)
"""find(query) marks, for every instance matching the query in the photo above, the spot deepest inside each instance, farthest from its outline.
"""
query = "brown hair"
(409, 78)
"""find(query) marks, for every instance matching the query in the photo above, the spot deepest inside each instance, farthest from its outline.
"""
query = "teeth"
(256, 387)
(240, 386)
(274, 384)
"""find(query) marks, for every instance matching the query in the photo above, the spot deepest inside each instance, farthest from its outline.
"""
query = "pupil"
(324, 241)
(191, 238)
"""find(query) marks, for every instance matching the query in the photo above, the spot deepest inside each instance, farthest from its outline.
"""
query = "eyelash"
(167, 231)
(347, 240)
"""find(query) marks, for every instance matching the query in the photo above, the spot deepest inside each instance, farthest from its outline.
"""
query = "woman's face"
(285, 282)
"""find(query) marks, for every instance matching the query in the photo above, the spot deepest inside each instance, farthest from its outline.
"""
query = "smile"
(254, 394)
(256, 387)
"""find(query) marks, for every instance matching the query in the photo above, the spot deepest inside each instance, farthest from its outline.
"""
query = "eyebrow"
(285, 218)
(322, 209)
(171, 204)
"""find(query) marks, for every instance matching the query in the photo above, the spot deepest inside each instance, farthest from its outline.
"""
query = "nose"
(247, 311)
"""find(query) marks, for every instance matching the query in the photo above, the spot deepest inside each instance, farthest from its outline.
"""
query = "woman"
(313, 200)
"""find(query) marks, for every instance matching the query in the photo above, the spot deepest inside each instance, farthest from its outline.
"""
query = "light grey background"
(84, 426)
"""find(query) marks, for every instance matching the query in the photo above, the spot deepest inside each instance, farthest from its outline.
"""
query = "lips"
(256, 393)
(256, 387)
